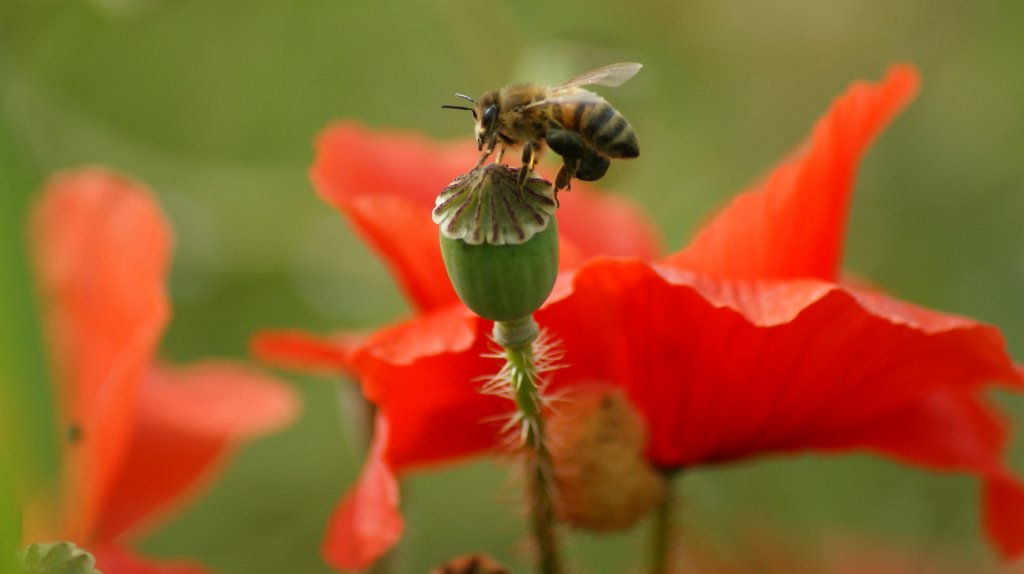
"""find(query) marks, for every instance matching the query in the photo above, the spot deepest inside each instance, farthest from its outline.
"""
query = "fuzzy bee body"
(575, 123)
(602, 127)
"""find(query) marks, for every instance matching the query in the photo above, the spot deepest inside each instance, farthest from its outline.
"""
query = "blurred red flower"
(138, 437)
(744, 343)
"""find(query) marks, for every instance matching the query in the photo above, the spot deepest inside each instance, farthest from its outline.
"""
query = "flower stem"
(663, 529)
(517, 339)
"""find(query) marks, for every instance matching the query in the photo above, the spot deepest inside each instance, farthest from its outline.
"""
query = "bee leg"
(487, 153)
(483, 157)
(575, 154)
(501, 154)
(566, 143)
(564, 178)
(565, 175)
(529, 160)
(592, 166)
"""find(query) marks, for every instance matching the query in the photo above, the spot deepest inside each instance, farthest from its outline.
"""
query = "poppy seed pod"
(499, 242)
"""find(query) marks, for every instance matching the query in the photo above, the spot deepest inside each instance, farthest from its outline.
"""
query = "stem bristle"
(530, 354)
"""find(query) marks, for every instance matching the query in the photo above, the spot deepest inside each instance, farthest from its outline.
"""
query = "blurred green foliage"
(215, 104)
(9, 520)
(27, 450)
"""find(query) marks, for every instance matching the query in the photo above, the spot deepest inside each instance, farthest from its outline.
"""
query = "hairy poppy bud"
(597, 447)
(499, 242)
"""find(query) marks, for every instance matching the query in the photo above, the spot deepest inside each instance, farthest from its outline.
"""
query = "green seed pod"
(499, 242)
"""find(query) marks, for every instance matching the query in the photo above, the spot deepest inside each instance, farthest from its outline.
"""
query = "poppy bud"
(499, 242)
(597, 444)
(56, 557)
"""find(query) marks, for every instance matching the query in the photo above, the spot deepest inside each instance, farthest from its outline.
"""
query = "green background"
(214, 104)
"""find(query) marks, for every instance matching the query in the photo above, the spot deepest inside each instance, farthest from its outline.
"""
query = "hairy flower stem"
(517, 339)
(663, 529)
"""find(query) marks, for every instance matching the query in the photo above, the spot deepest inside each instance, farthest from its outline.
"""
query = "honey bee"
(575, 123)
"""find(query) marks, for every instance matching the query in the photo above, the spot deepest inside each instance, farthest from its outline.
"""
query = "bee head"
(486, 113)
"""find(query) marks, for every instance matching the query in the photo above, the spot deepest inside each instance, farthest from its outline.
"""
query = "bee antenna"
(465, 97)
(456, 107)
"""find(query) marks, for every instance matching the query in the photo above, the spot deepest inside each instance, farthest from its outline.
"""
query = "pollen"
(597, 443)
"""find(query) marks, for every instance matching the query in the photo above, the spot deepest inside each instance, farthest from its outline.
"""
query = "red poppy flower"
(744, 343)
(138, 436)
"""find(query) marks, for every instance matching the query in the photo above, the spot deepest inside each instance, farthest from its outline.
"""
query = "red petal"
(955, 432)
(304, 352)
(448, 330)
(101, 249)
(1004, 515)
(114, 560)
(367, 523)
(725, 369)
(425, 376)
(352, 161)
(407, 240)
(191, 418)
(386, 182)
(720, 369)
(605, 224)
(792, 225)
(728, 369)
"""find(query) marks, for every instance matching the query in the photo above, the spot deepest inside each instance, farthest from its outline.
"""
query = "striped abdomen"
(602, 126)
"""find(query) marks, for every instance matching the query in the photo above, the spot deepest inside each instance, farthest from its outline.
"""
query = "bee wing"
(611, 75)
(566, 97)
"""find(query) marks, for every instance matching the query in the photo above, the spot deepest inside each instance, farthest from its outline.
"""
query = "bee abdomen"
(607, 130)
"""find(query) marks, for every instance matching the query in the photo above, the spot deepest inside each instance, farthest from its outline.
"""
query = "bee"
(575, 123)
